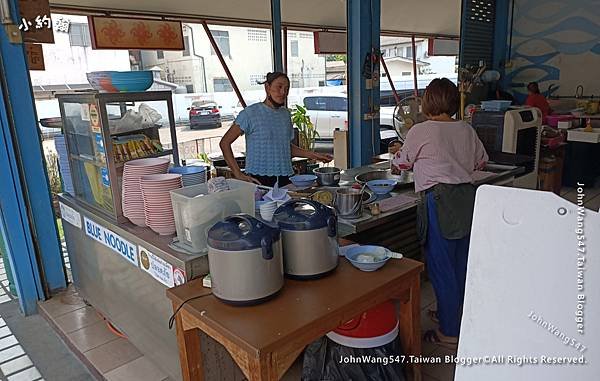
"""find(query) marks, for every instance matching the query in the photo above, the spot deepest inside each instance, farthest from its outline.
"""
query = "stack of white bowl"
(267, 210)
(191, 175)
(133, 203)
(157, 201)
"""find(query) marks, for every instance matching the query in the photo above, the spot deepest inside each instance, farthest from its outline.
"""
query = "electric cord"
(172, 318)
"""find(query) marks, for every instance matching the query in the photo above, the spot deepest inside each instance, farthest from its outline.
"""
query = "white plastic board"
(523, 285)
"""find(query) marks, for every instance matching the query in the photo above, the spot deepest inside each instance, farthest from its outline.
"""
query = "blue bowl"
(187, 170)
(132, 80)
(380, 254)
(382, 186)
(303, 181)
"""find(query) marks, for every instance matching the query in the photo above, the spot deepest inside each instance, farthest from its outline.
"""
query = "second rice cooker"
(245, 260)
(309, 230)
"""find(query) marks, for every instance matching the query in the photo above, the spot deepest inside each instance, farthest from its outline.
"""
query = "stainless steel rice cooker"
(309, 230)
(245, 260)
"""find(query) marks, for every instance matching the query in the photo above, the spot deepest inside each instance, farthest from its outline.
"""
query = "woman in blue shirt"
(268, 129)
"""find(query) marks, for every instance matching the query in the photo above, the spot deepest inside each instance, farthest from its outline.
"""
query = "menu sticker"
(70, 215)
(157, 267)
(94, 118)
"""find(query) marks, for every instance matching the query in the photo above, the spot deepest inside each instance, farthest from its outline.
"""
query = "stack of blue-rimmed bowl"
(63, 163)
(190, 175)
(132, 80)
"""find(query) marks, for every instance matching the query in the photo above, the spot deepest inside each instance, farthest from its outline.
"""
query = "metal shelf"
(131, 132)
(90, 159)
(160, 154)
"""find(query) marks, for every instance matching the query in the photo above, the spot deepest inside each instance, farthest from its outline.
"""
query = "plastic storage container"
(196, 211)
(495, 105)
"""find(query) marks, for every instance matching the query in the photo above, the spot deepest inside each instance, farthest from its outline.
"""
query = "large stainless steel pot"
(328, 176)
(245, 260)
(309, 230)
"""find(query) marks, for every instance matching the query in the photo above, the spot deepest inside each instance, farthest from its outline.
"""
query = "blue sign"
(105, 177)
(111, 240)
(99, 143)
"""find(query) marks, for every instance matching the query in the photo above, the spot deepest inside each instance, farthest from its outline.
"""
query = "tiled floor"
(15, 364)
(109, 356)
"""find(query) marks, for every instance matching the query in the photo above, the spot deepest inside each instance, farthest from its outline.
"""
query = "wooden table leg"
(410, 324)
(190, 354)
(262, 368)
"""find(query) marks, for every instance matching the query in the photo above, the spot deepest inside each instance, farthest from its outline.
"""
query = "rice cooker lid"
(304, 215)
(241, 232)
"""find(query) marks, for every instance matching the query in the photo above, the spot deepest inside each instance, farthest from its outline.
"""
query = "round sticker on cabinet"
(178, 276)
(145, 260)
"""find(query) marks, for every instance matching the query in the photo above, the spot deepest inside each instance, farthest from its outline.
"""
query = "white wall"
(68, 64)
(248, 59)
(308, 68)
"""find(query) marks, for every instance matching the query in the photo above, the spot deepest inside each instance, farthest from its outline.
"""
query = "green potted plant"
(307, 133)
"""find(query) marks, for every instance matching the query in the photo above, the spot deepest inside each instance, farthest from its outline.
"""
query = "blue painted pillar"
(30, 181)
(363, 79)
(276, 34)
(501, 35)
(14, 224)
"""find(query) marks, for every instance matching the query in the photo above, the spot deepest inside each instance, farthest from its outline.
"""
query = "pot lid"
(241, 232)
(302, 215)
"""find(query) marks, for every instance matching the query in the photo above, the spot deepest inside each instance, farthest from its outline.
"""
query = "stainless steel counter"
(128, 287)
(503, 176)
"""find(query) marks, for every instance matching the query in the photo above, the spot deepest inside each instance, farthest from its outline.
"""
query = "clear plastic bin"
(196, 210)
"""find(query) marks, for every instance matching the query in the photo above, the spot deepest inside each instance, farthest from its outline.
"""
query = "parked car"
(204, 115)
(238, 107)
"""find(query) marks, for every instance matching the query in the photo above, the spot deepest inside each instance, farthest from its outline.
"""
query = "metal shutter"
(477, 32)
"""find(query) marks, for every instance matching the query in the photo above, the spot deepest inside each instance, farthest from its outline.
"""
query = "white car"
(330, 112)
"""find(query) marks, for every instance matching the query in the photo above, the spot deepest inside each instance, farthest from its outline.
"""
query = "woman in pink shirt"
(443, 154)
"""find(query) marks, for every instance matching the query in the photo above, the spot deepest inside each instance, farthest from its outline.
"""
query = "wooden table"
(266, 339)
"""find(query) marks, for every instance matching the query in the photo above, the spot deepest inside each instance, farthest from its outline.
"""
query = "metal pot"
(328, 176)
(245, 260)
(348, 202)
(309, 230)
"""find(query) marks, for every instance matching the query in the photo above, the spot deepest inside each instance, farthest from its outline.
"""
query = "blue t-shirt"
(268, 133)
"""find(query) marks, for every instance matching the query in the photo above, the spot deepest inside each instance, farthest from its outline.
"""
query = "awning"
(421, 17)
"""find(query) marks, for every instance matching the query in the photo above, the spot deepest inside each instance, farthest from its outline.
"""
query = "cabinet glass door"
(91, 180)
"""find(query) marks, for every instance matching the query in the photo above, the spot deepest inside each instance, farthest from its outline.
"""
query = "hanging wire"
(172, 318)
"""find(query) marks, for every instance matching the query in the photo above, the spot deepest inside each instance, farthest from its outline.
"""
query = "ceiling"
(421, 17)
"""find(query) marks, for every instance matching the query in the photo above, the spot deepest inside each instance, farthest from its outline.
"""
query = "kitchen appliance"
(245, 260)
(328, 176)
(408, 112)
(512, 138)
(309, 230)
(348, 202)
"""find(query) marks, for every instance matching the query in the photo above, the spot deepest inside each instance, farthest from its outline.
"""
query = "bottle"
(588, 125)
